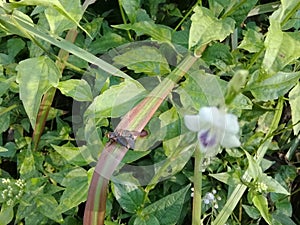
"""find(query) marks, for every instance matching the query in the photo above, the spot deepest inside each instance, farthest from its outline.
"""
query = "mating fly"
(125, 137)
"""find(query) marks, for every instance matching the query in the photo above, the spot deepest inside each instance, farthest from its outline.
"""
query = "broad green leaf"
(294, 100)
(6, 214)
(132, 156)
(47, 205)
(131, 7)
(282, 204)
(230, 179)
(14, 46)
(252, 41)
(158, 32)
(202, 89)
(144, 59)
(36, 218)
(106, 42)
(206, 27)
(4, 120)
(129, 196)
(235, 85)
(79, 156)
(59, 7)
(261, 203)
(116, 101)
(251, 211)
(238, 10)
(282, 218)
(273, 87)
(282, 48)
(79, 90)
(146, 220)
(178, 152)
(170, 205)
(273, 185)
(287, 10)
(20, 24)
(217, 52)
(59, 22)
(154, 6)
(254, 169)
(28, 168)
(35, 77)
(76, 183)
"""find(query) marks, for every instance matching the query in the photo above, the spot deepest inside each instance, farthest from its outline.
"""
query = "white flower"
(215, 127)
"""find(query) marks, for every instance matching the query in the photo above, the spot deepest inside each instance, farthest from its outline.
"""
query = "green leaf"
(79, 90)
(76, 183)
(131, 7)
(14, 46)
(252, 41)
(35, 77)
(170, 205)
(144, 59)
(79, 156)
(282, 218)
(116, 101)
(282, 204)
(4, 120)
(6, 214)
(17, 19)
(217, 52)
(132, 156)
(146, 220)
(28, 168)
(261, 203)
(254, 169)
(286, 11)
(294, 100)
(200, 89)
(235, 85)
(251, 211)
(5, 84)
(238, 10)
(156, 31)
(106, 42)
(273, 87)
(231, 179)
(59, 7)
(58, 21)
(206, 27)
(128, 194)
(273, 185)
(47, 205)
(282, 48)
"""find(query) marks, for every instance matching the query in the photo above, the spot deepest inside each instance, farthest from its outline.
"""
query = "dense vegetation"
(72, 73)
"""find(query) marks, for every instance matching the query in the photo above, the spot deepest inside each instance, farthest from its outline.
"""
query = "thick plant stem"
(110, 158)
(47, 100)
(197, 199)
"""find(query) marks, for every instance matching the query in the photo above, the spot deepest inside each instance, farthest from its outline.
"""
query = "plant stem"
(197, 201)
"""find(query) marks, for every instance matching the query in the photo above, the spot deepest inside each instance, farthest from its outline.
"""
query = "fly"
(125, 138)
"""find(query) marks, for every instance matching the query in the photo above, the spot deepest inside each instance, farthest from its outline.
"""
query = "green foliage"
(53, 84)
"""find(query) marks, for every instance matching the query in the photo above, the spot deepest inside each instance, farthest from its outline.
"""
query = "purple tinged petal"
(207, 139)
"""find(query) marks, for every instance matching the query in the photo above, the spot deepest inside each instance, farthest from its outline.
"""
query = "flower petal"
(209, 142)
(192, 122)
(212, 116)
(229, 141)
(231, 123)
